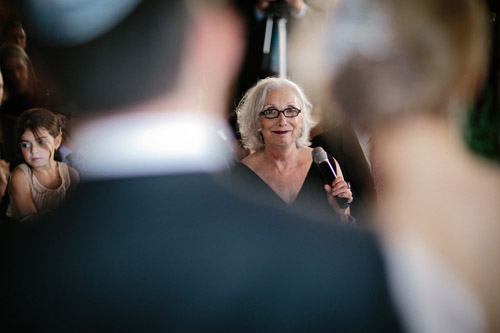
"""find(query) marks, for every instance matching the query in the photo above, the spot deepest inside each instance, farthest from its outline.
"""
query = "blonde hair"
(412, 55)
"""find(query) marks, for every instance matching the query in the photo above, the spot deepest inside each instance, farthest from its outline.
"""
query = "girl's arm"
(20, 190)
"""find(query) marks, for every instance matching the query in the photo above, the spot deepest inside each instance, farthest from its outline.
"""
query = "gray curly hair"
(252, 103)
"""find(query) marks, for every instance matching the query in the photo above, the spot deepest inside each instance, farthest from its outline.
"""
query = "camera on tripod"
(277, 8)
(275, 62)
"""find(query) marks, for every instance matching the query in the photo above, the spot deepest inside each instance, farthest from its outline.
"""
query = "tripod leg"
(268, 35)
(282, 47)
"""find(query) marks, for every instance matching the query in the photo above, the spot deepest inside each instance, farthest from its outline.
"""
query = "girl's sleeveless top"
(43, 198)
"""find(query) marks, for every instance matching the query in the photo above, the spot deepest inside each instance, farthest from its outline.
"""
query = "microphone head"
(319, 155)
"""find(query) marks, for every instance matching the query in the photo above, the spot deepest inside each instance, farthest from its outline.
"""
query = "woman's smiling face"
(281, 131)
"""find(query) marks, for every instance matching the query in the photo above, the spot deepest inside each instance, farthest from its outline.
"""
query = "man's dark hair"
(136, 60)
(12, 24)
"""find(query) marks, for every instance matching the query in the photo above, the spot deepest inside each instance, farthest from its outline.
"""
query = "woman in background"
(274, 119)
(23, 91)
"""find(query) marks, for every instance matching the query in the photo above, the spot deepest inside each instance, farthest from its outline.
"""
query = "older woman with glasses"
(274, 119)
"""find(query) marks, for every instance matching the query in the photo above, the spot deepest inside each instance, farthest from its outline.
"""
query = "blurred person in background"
(22, 86)
(23, 91)
(13, 32)
(407, 70)
(351, 146)
(151, 241)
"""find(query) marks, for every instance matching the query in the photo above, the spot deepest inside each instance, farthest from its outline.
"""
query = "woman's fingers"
(338, 185)
(341, 189)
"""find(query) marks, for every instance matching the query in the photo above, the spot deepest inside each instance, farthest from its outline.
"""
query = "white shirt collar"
(148, 145)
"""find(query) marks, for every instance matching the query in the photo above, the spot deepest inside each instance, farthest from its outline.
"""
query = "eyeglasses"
(274, 113)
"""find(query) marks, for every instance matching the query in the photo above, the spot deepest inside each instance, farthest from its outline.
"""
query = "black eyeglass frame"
(264, 114)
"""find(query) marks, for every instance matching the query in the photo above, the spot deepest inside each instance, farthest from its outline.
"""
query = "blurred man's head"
(13, 32)
(387, 58)
(108, 54)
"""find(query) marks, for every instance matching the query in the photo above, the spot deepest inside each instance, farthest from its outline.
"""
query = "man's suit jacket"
(341, 142)
(180, 252)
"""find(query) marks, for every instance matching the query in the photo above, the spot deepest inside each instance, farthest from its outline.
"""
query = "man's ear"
(214, 53)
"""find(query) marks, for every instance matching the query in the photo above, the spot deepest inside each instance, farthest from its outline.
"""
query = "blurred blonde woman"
(408, 73)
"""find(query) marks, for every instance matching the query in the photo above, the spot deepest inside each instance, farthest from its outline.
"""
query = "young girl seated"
(40, 184)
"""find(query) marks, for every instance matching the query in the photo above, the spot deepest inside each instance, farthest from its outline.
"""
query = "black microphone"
(321, 159)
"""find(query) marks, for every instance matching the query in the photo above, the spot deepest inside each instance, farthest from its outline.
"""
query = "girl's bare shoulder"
(18, 177)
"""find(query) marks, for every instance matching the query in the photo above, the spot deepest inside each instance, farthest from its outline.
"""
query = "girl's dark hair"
(34, 119)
